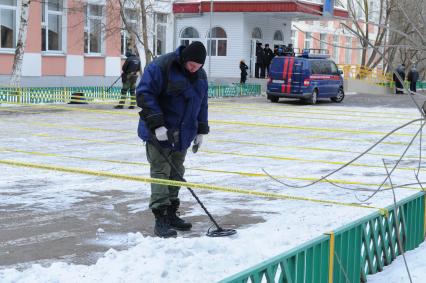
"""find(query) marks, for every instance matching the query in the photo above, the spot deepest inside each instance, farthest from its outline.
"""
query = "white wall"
(238, 28)
(74, 65)
(232, 23)
(31, 65)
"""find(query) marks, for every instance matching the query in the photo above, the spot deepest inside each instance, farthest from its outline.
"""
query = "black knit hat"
(195, 52)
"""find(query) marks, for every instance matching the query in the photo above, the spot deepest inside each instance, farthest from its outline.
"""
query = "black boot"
(162, 226)
(175, 221)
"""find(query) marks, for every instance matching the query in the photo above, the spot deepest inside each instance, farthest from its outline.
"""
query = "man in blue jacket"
(173, 96)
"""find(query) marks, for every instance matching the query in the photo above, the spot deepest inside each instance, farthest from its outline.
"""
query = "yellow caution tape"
(308, 116)
(306, 148)
(246, 174)
(301, 159)
(327, 111)
(264, 125)
(177, 183)
(80, 109)
(333, 130)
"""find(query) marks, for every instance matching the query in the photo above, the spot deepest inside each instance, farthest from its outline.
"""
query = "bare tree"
(408, 35)
(365, 18)
(15, 79)
(138, 33)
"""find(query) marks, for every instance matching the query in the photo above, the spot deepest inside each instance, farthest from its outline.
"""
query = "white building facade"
(237, 26)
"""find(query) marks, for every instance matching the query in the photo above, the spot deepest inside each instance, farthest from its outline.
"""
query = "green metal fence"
(65, 94)
(234, 90)
(420, 85)
(349, 253)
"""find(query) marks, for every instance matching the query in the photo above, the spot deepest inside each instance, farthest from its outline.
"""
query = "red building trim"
(253, 6)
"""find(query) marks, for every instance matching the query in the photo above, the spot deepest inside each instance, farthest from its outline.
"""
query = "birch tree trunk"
(148, 53)
(141, 33)
(15, 79)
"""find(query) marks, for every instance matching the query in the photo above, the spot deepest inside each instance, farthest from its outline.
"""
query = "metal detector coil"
(219, 231)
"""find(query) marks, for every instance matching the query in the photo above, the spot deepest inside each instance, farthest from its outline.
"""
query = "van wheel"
(314, 97)
(273, 99)
(340, 96)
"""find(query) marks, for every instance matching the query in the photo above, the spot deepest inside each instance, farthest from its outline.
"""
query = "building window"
(323, 43)
(308, 40)
(216, 43)
(256, 33)
(348, 53)
(127, 42)
(160, 37)
(93, 29)
(52, 14)
(189, 35)
(7, 23)
(336, 48)
(278, 36)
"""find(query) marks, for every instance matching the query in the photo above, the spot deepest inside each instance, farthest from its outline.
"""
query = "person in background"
(243, 68)
(413, 77)
(268, 57)
(399, 88)
(259, 60)
(289, 50)
(173, 96)
(281, 50)
(275, 50)
(129, 76)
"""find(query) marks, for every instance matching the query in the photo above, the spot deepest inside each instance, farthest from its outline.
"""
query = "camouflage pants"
(129, 85)
(162, 195)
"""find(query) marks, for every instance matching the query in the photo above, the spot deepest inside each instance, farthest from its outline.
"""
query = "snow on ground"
(397, 272)
(296, 143)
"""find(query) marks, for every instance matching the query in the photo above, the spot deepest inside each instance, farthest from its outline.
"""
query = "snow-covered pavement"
(294, 142)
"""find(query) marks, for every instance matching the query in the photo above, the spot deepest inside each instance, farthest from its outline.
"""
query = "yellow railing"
(371, 75)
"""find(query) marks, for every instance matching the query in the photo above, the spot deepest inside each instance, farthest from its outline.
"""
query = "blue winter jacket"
(181, 108)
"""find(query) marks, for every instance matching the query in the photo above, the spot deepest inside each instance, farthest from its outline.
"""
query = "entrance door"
(252, 57)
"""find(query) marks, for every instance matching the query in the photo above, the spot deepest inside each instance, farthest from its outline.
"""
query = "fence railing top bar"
(368, 217)
(276, 259)
(405, 200)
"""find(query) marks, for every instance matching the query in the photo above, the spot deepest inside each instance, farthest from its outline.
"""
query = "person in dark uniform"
(243, 68)
(129, 76)
(268, 57)
(413, 77)
(259, 60)
(399, 89)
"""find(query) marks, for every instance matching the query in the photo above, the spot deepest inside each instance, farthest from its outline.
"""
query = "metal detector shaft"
(113, 83)
(159, 149)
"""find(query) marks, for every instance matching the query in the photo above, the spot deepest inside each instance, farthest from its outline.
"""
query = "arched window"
(189, 35)
(278, 36)
(256, 33)
(217, 43)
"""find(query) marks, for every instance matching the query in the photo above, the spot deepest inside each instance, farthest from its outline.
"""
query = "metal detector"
(219, 231)
(113, 84)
